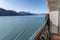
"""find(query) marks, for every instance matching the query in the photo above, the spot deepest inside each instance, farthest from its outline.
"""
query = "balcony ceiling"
(53, 5)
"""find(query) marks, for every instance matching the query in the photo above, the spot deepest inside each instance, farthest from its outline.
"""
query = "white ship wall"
(54, 17)
(54, 21)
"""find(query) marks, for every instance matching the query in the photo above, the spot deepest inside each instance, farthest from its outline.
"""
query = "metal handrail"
(41, 31)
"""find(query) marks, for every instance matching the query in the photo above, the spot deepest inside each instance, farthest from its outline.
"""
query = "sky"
(33, 6)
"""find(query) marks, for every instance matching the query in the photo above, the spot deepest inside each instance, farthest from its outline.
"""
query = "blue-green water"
(19, 27)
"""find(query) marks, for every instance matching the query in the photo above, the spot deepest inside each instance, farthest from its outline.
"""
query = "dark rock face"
(4, 12)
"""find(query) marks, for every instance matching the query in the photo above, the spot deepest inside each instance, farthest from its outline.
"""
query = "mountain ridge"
(4, 12)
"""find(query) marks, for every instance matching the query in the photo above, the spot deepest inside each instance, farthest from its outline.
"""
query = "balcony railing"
(44, 33)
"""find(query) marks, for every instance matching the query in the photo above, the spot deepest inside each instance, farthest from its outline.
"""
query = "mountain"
(25, 13)
(4, 12)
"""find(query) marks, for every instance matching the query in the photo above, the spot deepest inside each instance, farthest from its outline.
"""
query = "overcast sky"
(33, 6)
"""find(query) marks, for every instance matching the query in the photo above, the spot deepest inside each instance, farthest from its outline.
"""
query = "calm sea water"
(19, 27)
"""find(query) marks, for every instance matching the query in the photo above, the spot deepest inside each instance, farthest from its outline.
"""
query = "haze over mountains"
(4, 12)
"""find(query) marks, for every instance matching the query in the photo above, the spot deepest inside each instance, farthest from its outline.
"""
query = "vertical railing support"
(48, 24)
